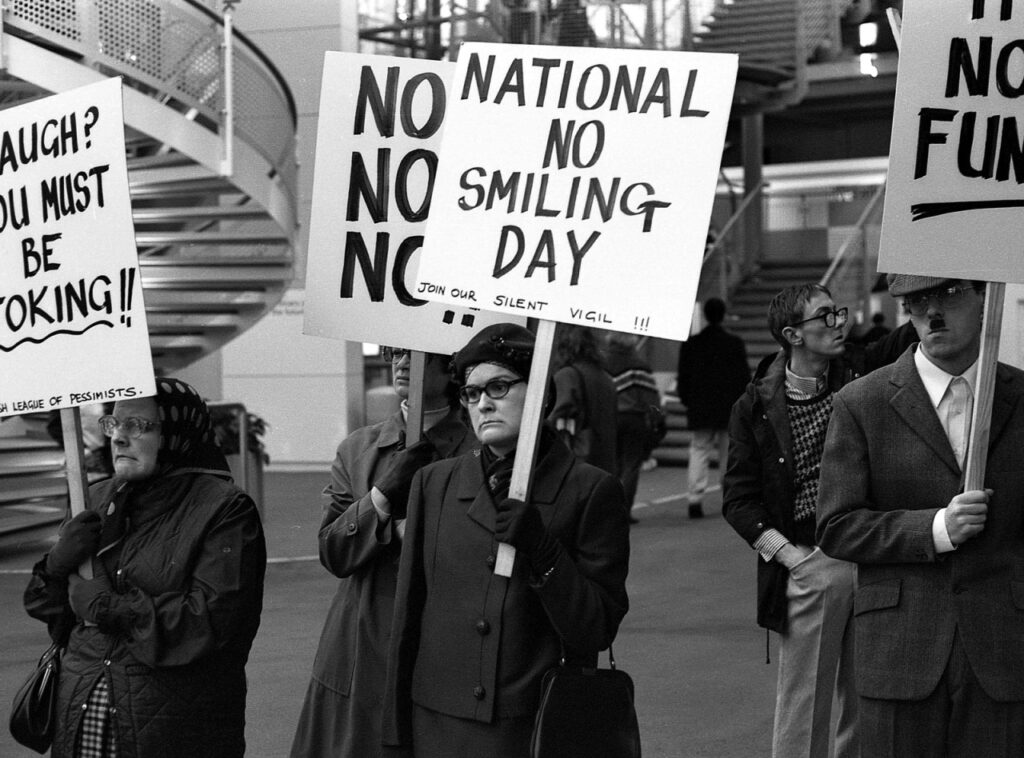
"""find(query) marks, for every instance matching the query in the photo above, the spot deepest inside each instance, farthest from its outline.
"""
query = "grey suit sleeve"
(855, 521)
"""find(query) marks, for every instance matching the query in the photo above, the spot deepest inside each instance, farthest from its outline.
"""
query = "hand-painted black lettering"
(383, 109)
(926, 137)
(429, 158)
(437, 106)
(359, 186)
(374, 271)
(405, 252)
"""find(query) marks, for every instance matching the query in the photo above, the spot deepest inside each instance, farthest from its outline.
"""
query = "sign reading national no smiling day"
(72, 321)
(576, 184)
(955, 192)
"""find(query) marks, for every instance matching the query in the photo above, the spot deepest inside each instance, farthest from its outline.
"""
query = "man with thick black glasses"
(776, 433)
(940, 578)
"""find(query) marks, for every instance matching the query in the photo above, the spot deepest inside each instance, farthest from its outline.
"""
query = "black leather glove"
(520, 525)
(89, 597)
(396, 481)
(78, 541)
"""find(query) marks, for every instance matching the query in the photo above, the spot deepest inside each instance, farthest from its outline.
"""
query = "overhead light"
(867, 64)
(868, 34)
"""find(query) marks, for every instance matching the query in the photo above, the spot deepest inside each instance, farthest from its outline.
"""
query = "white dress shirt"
(953, 400)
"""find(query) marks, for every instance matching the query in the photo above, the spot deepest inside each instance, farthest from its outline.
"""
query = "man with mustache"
(776, 433)
(939, 605)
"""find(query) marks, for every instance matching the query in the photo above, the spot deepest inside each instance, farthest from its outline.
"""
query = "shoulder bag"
(34, 711)
(586, 712)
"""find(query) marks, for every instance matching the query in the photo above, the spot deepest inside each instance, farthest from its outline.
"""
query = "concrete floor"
(689, 640)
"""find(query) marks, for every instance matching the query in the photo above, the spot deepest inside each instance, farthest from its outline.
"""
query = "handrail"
(737, 214)
(858, 230)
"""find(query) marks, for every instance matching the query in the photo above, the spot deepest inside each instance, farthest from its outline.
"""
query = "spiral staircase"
(210, 144)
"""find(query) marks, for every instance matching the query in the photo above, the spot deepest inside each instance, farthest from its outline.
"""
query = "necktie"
(961, 408)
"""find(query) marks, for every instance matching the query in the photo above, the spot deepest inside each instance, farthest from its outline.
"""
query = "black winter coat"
(173, 643)
(713, 371)
(758, 487)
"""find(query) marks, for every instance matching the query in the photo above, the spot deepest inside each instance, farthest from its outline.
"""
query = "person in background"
(157, 641)
(585, 400)
(468, 648)
(636, 390)
(776, 435)
(877, 331)
(713, 372)
(360, 543)
(940, 639)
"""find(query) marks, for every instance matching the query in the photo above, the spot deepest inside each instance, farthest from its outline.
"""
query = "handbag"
(586, 712)
(34, 711)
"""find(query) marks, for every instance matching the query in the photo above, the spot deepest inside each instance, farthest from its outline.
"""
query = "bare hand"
(966, 515)
(790, 555)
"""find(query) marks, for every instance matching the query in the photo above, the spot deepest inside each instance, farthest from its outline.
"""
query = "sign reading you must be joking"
(576, 184)
(72, 322)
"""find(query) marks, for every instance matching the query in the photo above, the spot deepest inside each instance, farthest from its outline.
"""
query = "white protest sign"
(72, 321)
(378, 134)
(955, 189)
(576, 184)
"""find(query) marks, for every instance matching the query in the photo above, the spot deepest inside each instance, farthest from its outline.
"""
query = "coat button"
(479, 692)
(491, 560)
(483, 627)
(351, 528)
(782, 460)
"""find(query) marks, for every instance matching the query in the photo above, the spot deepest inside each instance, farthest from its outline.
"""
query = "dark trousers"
(631, 451)
(958, 720)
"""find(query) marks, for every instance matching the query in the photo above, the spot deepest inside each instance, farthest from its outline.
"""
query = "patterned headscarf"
(186, 430)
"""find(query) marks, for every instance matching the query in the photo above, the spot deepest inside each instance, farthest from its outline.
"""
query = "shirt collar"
(807, 385)
(936, 381)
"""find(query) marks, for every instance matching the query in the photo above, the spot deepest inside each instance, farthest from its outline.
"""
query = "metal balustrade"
(210, 143)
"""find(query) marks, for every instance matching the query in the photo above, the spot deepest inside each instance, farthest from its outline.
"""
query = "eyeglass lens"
(133, 427)
(494, 389)
(392, 354)
(946, 298)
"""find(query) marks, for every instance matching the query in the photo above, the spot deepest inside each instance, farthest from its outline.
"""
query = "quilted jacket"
(188, 592)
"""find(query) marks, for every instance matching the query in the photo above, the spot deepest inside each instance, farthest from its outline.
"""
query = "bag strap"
(611, 656)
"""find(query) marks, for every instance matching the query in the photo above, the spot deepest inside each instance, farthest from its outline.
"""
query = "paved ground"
(689, 640)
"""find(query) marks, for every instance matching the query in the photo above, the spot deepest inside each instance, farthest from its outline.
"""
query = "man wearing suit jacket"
(939, 605)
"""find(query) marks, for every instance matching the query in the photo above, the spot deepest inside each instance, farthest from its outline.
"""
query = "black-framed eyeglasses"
(917, 303)
(495, 389)
(393, 354)
(133, 426)
(833, 318)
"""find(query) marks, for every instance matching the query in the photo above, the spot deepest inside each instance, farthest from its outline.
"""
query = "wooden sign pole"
(78, 480)
(981, 420)
(414, 421)
(529, 432)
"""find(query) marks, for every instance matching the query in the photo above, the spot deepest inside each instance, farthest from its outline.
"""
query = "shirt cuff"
(939, 534)
(769, 543)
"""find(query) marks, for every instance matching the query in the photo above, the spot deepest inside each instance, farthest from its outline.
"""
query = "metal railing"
(173, 51)
(853, 271)
(727, 260)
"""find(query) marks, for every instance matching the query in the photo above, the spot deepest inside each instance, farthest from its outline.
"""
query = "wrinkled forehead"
(142, 407)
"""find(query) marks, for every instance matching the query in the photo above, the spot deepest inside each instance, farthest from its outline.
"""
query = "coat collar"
(548, 476)
(911, 402)
(447, 435)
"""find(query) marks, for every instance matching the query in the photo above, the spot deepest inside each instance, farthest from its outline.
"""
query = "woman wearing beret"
(469, 648)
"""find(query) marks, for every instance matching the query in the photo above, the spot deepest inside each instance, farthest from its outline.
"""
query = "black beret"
(508, 345)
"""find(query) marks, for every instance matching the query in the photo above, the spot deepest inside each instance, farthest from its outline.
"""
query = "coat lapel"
(470, 482)
(1004, 401)
(912, 404)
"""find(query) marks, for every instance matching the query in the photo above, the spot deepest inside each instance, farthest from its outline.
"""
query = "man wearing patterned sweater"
(776, 436)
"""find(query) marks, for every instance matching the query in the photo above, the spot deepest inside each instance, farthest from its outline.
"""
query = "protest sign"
(955, 187)
(576, 184)
(379, 130)
(72, 321)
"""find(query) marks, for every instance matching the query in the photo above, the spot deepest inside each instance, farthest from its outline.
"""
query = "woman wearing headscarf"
(157, 641)
(469, 648)
(360, 543)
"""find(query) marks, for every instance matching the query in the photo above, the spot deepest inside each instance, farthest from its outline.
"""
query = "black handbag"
(34, 711)
(586, 712)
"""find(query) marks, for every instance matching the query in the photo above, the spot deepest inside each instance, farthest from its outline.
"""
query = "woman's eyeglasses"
(495, 389)
(944, 297)
(393, 354)
(133, 426)
(833, 318)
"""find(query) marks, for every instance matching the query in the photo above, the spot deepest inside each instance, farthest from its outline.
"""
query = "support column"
(753, 165)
